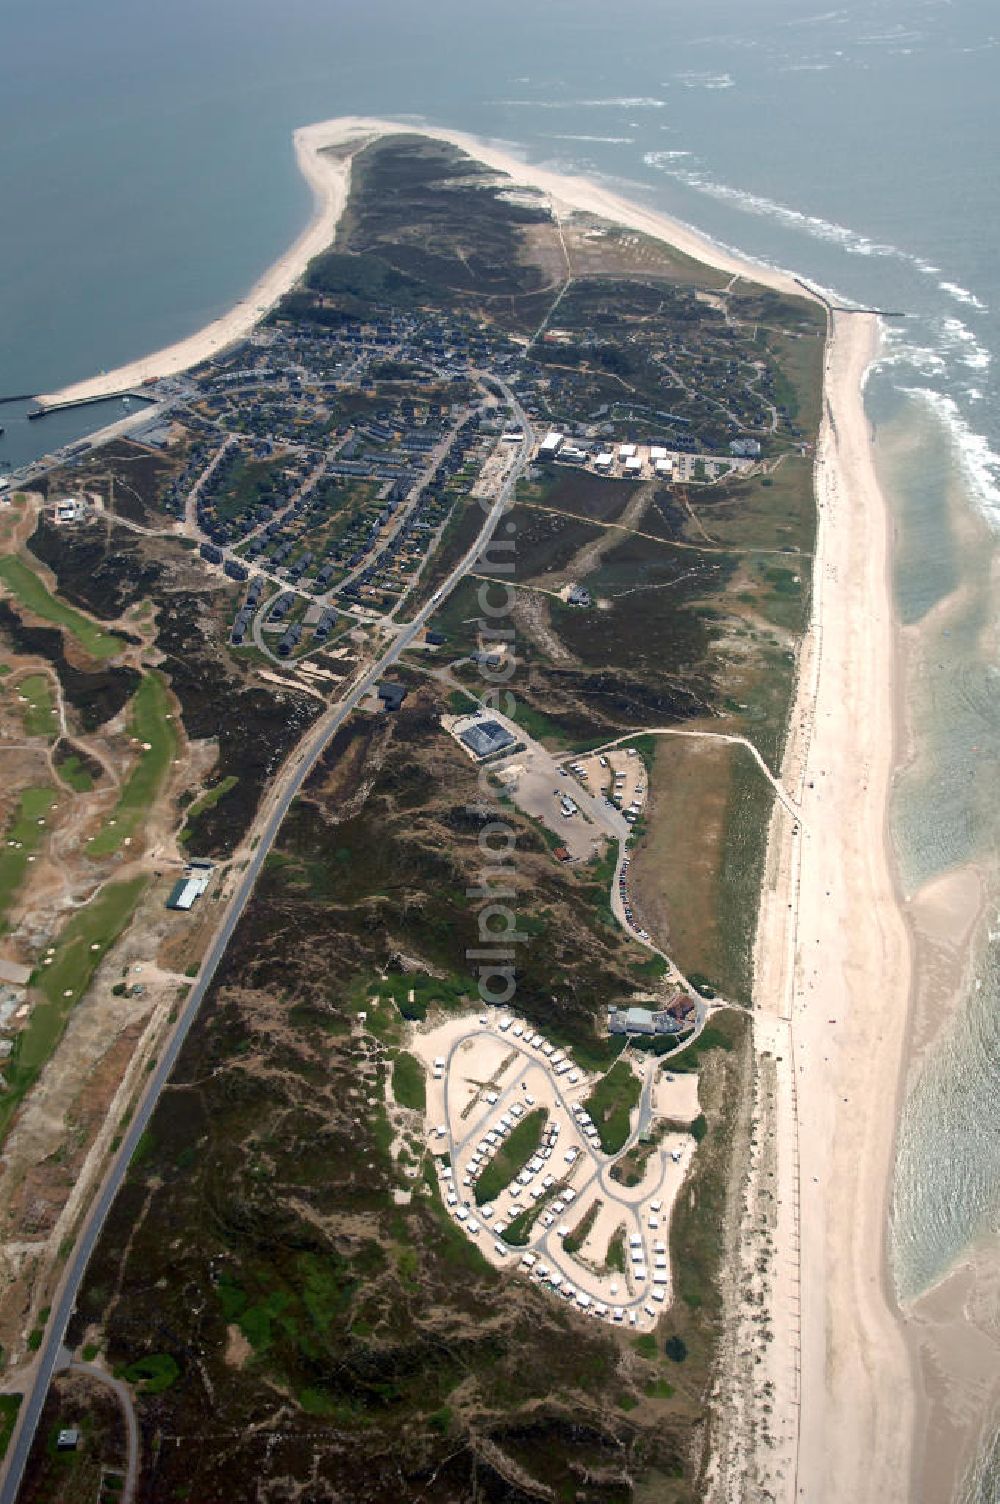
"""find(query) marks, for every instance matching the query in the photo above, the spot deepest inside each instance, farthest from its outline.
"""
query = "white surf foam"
(963, 295)
(980, 464)
(617, 103)
(896, 36)
(600, 140)
(696, 80)
(960, 340)
(897, 351)
(826, 15)
(849, 240)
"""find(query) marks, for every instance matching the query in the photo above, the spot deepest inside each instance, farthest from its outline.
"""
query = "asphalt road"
(64, 1301)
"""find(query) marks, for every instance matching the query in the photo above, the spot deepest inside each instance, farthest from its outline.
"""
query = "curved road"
(304, 761)
(733, 738)
(123, 1395)
(598, 1163)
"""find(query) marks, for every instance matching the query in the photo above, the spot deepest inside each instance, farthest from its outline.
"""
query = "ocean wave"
(980, 463)
(768, 208)
(600, 140)
(826, 15)
(696, 80)
(641, 103)
(921, 358)
(954, 351)
(959, 338)
(894, 37)
(963, 295)
(852, 241)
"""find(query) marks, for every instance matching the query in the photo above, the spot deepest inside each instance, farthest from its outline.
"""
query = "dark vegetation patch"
(461, 251)
(128, 477)
(103, 570)
(96, 697)
(254, 726)
(248, 482)
(545, 542)
(575, 1240)
(380, 1321)
(748, 812)
(610, 1105)
(511, 1158)
(460, 532)
(654, 624)
(577, 491)
(722, 1056)
(80, 769)
(462, 238)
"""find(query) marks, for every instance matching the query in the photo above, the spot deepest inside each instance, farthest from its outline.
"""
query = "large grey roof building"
(486, 737)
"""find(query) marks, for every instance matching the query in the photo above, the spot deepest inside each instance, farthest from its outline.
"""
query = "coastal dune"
(833, 965)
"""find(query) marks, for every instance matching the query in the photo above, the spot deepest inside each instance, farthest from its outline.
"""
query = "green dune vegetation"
(38, 713)
(21, 838)
(149, 723)
(62, 982)
(27, 586)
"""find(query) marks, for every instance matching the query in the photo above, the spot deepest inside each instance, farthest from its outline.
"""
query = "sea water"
(148, 179)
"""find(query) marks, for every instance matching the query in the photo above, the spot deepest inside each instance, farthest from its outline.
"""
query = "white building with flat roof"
(187, 891)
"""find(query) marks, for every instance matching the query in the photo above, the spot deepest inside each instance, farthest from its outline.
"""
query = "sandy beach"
(329, 178)
(834, 971)
(833, 955)
(330, 183)
(825, 1399)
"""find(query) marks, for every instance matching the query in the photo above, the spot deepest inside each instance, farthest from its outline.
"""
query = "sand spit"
(329, 178)
(835, 1390)
(330, 182)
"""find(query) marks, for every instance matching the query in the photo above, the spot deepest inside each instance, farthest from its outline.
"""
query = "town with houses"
(245, 632)
(322, 468)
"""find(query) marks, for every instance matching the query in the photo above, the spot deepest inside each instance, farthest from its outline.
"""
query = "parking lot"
(617, 776)
(540, 783)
